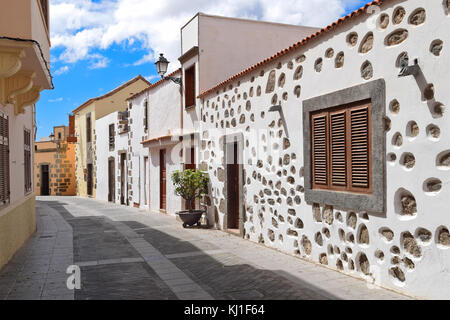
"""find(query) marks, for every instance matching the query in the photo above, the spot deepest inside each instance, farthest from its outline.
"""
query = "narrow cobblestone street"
(127, 253)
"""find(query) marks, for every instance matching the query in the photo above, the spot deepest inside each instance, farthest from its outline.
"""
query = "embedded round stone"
(417, 17)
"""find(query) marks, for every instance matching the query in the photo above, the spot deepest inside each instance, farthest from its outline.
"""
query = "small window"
(27, 160)
(4, 160)
(341, 148)
(146, 115)
(88, 128)
(59, 135)
(189, 87)
(111, 137)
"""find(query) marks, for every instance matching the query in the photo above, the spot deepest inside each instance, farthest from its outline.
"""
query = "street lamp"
(161, 68)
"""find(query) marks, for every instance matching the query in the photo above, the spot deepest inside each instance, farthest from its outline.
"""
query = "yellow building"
(55, 163)
(24, 73)
(85, 116)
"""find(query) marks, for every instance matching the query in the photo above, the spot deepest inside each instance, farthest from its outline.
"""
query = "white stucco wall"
(425, 275)
(164, 116)
(103, 155)
(136, 135)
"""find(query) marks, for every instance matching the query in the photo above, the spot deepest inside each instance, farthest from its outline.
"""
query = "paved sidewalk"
(128, 253)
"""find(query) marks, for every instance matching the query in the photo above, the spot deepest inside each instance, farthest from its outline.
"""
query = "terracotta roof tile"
(294, 46)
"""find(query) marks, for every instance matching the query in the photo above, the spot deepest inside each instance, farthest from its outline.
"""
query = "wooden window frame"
(5, 196)
(349, 182)
(375, 202)
(189, 87)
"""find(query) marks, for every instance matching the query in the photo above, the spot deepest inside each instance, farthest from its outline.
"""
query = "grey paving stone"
(125, 253)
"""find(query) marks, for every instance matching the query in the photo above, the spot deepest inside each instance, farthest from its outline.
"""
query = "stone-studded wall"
(61, 163)
(406, 248)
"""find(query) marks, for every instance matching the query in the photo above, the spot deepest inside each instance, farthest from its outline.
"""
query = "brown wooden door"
(111, 181)
(162, 179)
(233, 190)
(123, 184)
(89, 179)
(45, 183)
(190, 164)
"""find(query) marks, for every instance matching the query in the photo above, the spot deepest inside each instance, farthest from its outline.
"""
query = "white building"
(112, 153)
(339, 159)
(160, 144)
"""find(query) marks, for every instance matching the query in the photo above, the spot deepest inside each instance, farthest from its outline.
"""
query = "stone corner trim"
(376, 202)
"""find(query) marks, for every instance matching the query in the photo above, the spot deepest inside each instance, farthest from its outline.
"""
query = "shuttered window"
(146, 115)
(4, 159)
(341, 148)
(27, 160)
(189, 87)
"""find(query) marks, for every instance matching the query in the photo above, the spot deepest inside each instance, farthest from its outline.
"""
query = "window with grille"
(4, 160)
(341, 148)
(27, 160)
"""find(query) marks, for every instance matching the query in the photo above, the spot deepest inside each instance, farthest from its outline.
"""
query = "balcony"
(24, 52)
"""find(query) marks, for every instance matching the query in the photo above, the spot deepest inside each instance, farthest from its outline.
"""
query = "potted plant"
(190, 185)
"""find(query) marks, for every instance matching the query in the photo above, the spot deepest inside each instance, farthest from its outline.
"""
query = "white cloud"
(62, 70)
(98, 61)
(55, 100)
(83, 26)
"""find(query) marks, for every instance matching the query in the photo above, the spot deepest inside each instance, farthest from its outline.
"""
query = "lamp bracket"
(174, 79)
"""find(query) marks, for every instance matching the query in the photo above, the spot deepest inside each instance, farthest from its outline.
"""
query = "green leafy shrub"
(190, 184)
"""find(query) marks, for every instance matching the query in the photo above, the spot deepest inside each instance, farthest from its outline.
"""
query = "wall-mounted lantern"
(161, 67)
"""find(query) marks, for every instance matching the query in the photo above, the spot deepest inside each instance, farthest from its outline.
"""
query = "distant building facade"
(55, 163)
(85, 132)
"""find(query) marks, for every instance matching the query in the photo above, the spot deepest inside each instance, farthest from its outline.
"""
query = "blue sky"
(99, 44)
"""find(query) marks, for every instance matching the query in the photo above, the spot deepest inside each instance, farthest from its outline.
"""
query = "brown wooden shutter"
(360, 146)
(338, 146)
(4, 159)
(189, 86)
(319, 150)
(27, 159)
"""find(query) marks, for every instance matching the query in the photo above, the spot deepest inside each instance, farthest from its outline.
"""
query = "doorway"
(111, 181)
(233, 188)
(89, 179)
(146, 181)
(162, 179)
(123, 180)
(45, 180)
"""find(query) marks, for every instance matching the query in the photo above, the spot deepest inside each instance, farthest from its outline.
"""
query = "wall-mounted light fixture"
(161, 67)
(406, 69)
(275, 108)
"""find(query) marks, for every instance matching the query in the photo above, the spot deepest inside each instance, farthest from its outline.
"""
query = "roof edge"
(110, 93)
(293, 46)
(156, 84)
